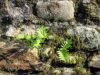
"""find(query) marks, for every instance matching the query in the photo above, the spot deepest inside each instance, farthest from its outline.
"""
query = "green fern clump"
(34, 40)
(42, 32)
(40, 36)
(63, 53)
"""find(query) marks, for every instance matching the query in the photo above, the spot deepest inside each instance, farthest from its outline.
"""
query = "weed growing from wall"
(64, 55)
(63, 51)
(34, 40)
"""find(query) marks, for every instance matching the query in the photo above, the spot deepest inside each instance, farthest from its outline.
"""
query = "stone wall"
(82, 16)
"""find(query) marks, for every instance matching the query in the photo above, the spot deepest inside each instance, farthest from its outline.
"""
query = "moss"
(77, 43)
(98, 2)
(98, 30)
(81, 71)
(57, 37)
(91, 9)
(76, 58)
(5, 4)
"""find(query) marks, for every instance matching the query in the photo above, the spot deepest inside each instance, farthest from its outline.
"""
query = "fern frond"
(67, 44)
(37, 43)
(34, 40)
(63, 53)
(20, 36)
(42, 32)
(28, 36)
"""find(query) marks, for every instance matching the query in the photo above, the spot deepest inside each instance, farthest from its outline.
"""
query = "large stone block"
(56, 10)
(89, 37)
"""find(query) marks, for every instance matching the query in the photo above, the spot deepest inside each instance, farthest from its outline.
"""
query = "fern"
(37, 42)
(42, 32)
(20, 36)
(34, 40)
(63, 51)
(66, 45)
(64, 55)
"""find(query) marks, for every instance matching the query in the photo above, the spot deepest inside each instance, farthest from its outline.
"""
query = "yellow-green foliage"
(63, 51)
(34, 40)
(64, 54)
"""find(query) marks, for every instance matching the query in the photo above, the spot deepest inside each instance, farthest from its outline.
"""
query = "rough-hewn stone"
(86, 1)
(57, 10)
(89, 37)
(95, 62)
(13, 31)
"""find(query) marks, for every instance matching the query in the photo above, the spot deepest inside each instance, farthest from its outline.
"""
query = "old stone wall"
(82, 16)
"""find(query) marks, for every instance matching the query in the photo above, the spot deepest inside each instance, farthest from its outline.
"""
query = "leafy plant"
(34, 40)
(63, 51)
(64, 55)
(42, 32)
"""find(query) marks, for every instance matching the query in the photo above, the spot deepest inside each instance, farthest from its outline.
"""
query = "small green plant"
(63, 51)
(34, 40)
(64, 55)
